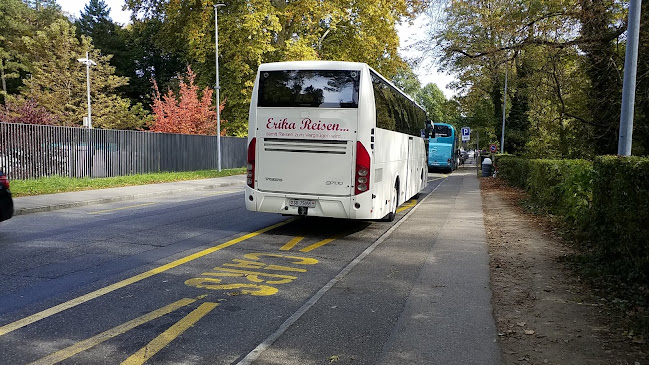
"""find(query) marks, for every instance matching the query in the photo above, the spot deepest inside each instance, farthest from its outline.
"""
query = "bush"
(621, 214)
(563, 188)
(514, 170)
(606, 203)
(558, 187)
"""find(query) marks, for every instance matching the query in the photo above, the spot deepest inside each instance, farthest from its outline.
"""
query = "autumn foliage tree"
(185, 112)
(26, 111)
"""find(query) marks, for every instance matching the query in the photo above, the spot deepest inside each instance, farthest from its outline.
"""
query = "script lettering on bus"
(281, 124)
(308, 124)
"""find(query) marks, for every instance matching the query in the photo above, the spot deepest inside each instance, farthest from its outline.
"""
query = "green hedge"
(558, 187)
(606, 200)
(563, 188)
(514, 170)
(621, 214)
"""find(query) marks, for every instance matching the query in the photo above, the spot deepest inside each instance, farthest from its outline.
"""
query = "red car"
(6, 203)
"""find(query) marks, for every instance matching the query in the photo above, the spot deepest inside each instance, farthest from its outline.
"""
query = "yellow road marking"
(134, 279)
(158, 343)
(409, 205)
(291, 243)
(122, 208)
(312, 247)
(318, 244)
(114, 332)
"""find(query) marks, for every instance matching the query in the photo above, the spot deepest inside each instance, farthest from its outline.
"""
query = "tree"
(604, 66)
(108, 37)
(58, 80)
(186, 112)
(574, 81)
(641, 121)
(148, 60)
(12, 16)
(406, 80)
(256, 31)
(517, 123)
(433, 100)
(19, 19)
(26, 112)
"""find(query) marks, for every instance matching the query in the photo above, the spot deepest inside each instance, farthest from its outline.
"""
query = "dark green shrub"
(562, 188)
(605, 206)
(621, 214)
(514, 170)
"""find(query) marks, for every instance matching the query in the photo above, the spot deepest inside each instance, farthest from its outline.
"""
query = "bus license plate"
(301, 203)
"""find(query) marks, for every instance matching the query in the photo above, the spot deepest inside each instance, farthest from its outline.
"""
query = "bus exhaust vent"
(305, 146)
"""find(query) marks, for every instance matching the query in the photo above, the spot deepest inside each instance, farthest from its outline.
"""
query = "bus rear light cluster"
(251, 163)
(362, 177)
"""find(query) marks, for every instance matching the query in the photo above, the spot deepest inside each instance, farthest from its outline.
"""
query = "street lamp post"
(87, 61)
(625, 139)
(502, 134)
(218, 87)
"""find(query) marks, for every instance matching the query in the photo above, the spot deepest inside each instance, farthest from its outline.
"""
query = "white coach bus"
(332, 139)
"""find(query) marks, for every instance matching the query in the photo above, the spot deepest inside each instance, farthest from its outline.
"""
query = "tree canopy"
(563, 61)
(57, 81)
(255, 31)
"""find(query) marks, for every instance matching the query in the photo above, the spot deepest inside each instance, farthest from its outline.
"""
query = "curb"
(116, 198)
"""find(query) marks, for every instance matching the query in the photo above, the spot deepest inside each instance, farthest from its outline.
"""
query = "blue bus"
(443, 148)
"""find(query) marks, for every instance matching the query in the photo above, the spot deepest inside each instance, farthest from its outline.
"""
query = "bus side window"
(383, 119)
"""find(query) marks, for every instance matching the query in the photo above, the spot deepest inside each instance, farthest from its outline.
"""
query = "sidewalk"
(448, 317)
(48, 202)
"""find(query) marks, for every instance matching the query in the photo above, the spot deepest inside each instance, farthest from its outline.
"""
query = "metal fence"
(33, 151)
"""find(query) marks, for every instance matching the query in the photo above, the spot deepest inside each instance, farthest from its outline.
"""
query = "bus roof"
(312, 65)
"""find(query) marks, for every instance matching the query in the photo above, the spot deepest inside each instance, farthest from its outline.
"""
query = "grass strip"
(60, 184)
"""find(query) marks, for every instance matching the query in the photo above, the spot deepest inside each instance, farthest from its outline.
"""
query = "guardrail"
(32, 151)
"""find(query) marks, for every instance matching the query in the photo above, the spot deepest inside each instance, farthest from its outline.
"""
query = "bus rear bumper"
(346, 207)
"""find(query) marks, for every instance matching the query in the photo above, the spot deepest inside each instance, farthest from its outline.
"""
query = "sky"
(407, 33)
(75, 7)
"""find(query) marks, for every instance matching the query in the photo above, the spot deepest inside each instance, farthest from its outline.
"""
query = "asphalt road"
(194, 278)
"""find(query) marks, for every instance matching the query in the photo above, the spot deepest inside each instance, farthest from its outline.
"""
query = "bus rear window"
(316, 89)
(442, 131)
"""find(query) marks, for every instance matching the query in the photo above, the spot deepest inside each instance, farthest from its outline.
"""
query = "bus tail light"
(362, 176)
(251, 163)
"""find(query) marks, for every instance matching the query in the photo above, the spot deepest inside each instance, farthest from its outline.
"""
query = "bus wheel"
(393, 205)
